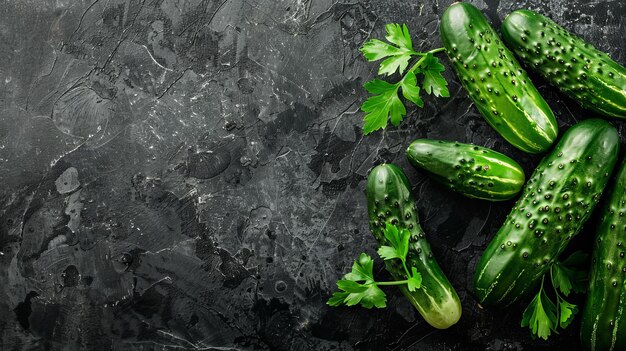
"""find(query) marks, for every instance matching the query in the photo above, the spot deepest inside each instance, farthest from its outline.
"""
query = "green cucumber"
(389, 200)
(495, 81)
(603, 319)
(579, 70)
(555, 203)
(474, 171)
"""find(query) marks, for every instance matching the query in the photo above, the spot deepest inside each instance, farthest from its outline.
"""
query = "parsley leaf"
(398, 56)
(395, 63)
(375, 49)
(385, 104)
(561, 280)
(362, 270)
(574, 267)
(351, 293)
(410, 90)
(350, 286)
(540, 315)
(377, 86)
(360, 287)
(567, 312)
(337, 299)
(434, 83)
(543, 315)
(399, 240)
(415, 280)
(566, 275)
(368, 295)
(399, 35)
(379, 107)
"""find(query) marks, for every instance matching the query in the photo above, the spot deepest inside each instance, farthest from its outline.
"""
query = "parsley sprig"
(543, 316)
(385, 103)
(360, 287)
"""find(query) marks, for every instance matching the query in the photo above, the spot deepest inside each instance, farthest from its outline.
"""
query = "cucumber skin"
(474, 171)
(606, 302)
(579, 70)
(495, 81)
(559, 197)
(389, 200)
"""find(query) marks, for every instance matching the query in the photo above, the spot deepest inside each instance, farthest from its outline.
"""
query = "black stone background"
(190, 174)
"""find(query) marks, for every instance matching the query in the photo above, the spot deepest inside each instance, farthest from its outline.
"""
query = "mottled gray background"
(189, 174)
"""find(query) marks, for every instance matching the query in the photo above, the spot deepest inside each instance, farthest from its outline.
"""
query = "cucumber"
(495, 81)
(603, 319)
(582, 72)
(389, 200)
(474, 171)
(555, 203)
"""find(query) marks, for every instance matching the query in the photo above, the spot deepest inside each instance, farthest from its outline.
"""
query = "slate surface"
(190, 174)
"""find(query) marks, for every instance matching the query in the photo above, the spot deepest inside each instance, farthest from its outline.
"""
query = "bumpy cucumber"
(556, 201)
(604, 321)
(389, 200)
(495, 81)
(474, 171)
(585, 74)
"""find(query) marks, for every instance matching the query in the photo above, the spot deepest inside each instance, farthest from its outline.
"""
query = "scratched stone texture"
(190, 174)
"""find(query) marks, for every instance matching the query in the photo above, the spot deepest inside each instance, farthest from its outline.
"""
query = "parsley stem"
(417, 64)
(423, 55)
(396, 282)
(434, 51)
(408, 274)
(556, 292)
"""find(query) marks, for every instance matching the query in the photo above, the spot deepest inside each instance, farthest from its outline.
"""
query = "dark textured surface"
(190, 174)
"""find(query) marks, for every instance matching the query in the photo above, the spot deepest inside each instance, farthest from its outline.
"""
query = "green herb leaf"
(377, 86)
(371, 297)
(379, 108)
(337, 299)
(387, 253)
(351, 293)
(567, 276)
(561, 279)
(410, 90)
(394, 63)
(359, 286)
(375, 49)
(398, 56)
(399, 240)
(415, 280)
(540, 316)
(385, 103)
(362, 270)
(567, 311)
(368, 295)
(399, 35)
(351, 286)
(434, 83)
(396, 110)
